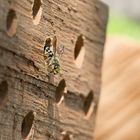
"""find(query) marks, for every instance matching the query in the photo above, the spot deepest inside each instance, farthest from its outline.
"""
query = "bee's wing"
(54, 44)
(60, 50)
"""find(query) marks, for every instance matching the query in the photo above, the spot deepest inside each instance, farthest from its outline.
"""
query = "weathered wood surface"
(24, 83)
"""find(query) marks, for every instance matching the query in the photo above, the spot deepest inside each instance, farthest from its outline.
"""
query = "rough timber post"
(31, 105)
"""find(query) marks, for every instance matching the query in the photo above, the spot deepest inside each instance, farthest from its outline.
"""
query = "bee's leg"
(45, 57)
(48, 61)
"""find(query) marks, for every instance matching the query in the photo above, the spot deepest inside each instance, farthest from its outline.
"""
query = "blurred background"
(118, 115)
(124, 18)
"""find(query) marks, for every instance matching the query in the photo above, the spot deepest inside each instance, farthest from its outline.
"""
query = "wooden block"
(33, 103)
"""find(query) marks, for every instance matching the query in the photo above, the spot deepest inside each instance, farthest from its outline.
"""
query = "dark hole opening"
(11, 23)
(88, 102)
(79, 44)
(60, 91)
(27, 124)
(36, 7)
(66, 137)
(3, 91)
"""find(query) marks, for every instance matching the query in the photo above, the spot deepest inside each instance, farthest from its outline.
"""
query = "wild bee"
(52, 55)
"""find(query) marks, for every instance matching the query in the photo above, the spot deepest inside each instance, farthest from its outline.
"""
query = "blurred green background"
(121, 25)
(124, 18)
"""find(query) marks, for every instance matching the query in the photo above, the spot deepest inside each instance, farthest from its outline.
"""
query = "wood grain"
(22, 65)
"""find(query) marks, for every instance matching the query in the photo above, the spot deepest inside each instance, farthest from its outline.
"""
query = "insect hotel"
(51, 54)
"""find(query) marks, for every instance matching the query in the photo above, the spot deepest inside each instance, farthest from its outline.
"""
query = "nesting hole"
(48, 42)
(60, 91)
(79, 51)
(89, 104)
(36, 11)
(66, 137)
(11, 23)
(51, 42)
(27, 124)
(3, 92)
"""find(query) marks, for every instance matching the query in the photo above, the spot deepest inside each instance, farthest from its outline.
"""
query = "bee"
(52, 55)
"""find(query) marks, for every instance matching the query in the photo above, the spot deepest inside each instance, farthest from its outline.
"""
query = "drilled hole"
(89, 104)
(48, 42)
(52, 43)
(11, 23)
(27, 124)
(60, 91)
(79, 51)
(36, 11)
(66, 137)
(3, 92)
